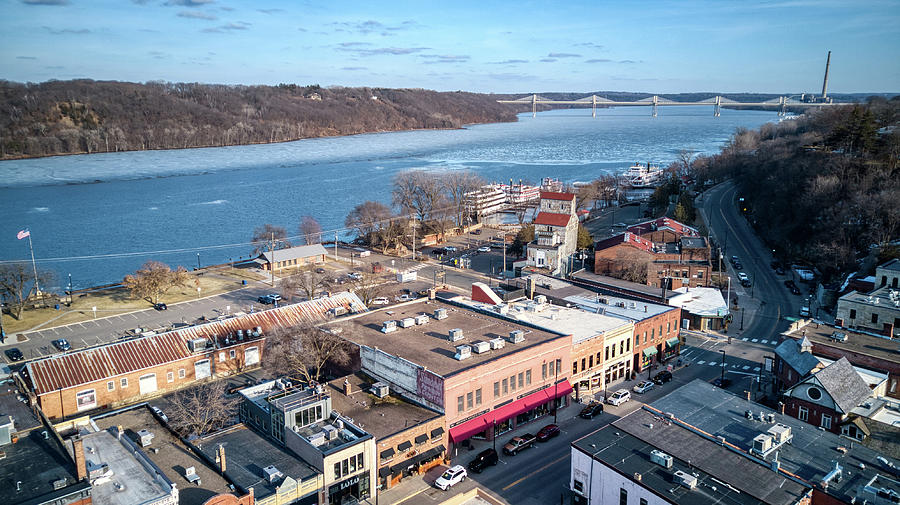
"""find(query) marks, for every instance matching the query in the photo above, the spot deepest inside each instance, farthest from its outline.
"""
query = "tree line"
(87, 116)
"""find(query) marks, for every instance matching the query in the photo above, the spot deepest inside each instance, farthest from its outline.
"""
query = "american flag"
(23, 234)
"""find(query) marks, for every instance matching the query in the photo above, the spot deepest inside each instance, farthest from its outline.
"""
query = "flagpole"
(34, 266)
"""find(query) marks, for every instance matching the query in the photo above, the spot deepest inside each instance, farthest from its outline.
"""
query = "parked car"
(547, 432)
(160, 306)
(437, 251)
(406, 298)
(643, 386)
(355, 276)
(159, 413)
(14, 354)
(269, 299)
(619, 397)
(381, 300)
(485, 458)
(592, 410)
(320, 270)
(62, 344)
(662, 377)
(742, 276)
(450, 248)
(518, 444)
(453, 475)
(721, 383)
(735, 259)
(792, 287)
(745, 280)
(484, 249)
(738, 266)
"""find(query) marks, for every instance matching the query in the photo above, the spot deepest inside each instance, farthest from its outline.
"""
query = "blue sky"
(485, 46)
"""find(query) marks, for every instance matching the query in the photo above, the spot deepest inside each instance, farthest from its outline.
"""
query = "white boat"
(643, 176)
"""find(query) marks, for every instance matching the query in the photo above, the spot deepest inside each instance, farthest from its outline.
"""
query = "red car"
(547, 432)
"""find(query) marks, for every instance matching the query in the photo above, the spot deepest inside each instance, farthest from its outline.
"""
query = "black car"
(160, 306)
(738, 266)
(779, 271)
(791, 286)
(62, 344)
(485, 458)
(320, 270)
(775, 264)
(547, 432)
(591, 410)
(662, 377)
(721, 383)
(14, 354)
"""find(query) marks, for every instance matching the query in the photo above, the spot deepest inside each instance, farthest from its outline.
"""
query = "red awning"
(483, 422)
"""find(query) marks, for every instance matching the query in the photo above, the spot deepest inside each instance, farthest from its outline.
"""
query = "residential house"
(555, 233)
(292, 257)
(826, 398)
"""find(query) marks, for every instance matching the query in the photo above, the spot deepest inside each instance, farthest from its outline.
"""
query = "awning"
(430, 454)
(421, 439)
(384, 472)
(486, 421)
(404, 446)
(437, 432)
(650, 351)
(387, 453)
(672, 342)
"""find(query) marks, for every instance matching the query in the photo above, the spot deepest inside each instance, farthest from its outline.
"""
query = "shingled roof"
(843, 384)
(802, 362)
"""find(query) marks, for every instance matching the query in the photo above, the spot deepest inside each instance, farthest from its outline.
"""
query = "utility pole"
(335, 247)
(503, 238)
(414, 241)
(272, 258)
(723, 367)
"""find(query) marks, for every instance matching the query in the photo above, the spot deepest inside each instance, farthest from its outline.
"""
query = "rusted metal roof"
(108, 361)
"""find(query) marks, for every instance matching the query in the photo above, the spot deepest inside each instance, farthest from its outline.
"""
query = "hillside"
(85, 116)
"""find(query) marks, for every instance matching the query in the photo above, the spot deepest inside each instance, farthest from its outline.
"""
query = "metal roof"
(553, 219)
(107, 361)
(552, 195)
(302, 251)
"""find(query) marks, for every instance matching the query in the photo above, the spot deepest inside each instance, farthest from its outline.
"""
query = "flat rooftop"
(170, 455)
(862, 343)
(247, 453)
(693, 242)
(611, 283)
(706, 302)
(379, 417)
(35, 463)
(428, 345)
(810, 455)
(581, 324)
(12, 404)
(619, 307)
(707, 461)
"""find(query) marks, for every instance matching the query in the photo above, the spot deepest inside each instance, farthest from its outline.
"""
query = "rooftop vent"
(380, 389)
(502, 309)
(497, 343)
(540, 299)
(516, 336)
(660, 458)
(317, 439)
(770, 418)
(463, 352)
(685, 479)
(388, 326)
(440, 314)
(197, 344)
(338, 311)
(145, 437)
(481, 347)
(331, 433)
(456, 334)
(407, 322)
(59, 483)
(422, 319)
(271, 474)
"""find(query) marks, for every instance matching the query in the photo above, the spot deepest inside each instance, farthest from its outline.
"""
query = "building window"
(521, 380)
(469, 400)
(874, 318)
(505, 386)
(645, 337)
(181, 373)
(583, 362)
(643, 501)
(528, 377)
(637, 340)
(460, 403)
(544, 371)
(551, 369)
(623, 496)
(478, 397)
(86, 399)
(590, 361)
(814, 393)
(512, 383)
(826, 421)
(111, 386)
(607, 353)
(621, 347)
(221, 356)
(669, 327)
(578, 486)
(802, 413)
(652, 333)
(123, 382)
(574, 367)
(232, 354)
(170, 377)
(496, 389)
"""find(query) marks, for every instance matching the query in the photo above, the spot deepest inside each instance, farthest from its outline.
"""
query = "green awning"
(650, 351)
(672, 342)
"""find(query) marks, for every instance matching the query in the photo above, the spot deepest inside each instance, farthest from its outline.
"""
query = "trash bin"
(244, 282)
(56, 306)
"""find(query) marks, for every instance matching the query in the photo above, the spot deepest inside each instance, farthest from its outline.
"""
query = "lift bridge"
(717, 102)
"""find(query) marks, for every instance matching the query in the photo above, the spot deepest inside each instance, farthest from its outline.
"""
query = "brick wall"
(814, 413)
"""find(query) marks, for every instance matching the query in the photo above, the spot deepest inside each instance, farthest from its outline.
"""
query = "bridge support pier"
(534, 105)
(783, 110)
(717, 111)
(594, 106)
(655, 111)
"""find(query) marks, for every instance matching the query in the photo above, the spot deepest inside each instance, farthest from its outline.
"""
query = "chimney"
(781, 407)
(220, 458)
(748, 395)
(119, 432)
(78, 454)
(348, 388)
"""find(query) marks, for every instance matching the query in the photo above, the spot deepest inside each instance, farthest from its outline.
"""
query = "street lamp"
(723, 366)
(742, 318)
(70, 289)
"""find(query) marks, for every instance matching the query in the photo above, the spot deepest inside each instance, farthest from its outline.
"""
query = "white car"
(743, 277)
(355, 276)
(450, 248)
(159, 413)
(643, 386)
(453, 475)
(484, 249)
(804, 311)
(406, 298)
(619, 397)
(381, 300)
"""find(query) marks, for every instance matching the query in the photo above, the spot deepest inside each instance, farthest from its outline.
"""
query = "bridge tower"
(717, 111)
(593, 105)
(534, 105)
(655, 103)
(783, 110)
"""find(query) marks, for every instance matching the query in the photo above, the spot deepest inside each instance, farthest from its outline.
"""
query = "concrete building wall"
(879, 318)
(602, 484)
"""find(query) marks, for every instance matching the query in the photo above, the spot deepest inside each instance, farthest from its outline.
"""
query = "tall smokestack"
(825, 83)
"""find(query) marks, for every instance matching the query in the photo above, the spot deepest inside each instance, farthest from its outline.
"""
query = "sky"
(497, 46)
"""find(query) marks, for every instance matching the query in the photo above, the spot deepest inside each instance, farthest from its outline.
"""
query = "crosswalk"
(719, 363)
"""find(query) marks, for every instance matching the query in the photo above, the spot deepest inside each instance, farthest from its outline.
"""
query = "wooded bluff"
(86, 116)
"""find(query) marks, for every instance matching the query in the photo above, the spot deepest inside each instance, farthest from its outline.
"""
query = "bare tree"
(367, 218)
(201, 409)
(391, 235)
(309, 282)
(311, 230)
(416, 192)
(155, 278)
(686, 159)
(17, 285)
(457, 183)
(367, 286)
(267, 236)
(630, 265)
(303, 351)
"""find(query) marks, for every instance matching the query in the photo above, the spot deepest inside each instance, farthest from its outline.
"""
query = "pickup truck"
(518, 444)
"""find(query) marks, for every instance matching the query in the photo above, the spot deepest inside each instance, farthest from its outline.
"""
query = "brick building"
(878, 310)
(826, 398)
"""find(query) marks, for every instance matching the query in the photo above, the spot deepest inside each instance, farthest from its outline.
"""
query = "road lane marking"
(713, 364)
(755, 340)
(745, 339)
(541, 469)
(763, 341)
(701, 362)
(756, 369)
(746, 367)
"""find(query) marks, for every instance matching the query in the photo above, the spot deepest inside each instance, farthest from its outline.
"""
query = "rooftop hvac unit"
(338, 311)
(388, 326)
(317, 439)
(271, 474)
(685, 479)
(456, 334)
(516, 336)
(406, 322)
(780, 432)
(540, 299)
(380, 389)
(240, 334)
(770, 418)
(197, 344)
(660, 458)
(481, 347)
(440, 314)
(463, 352)
(331, 433)
(497, 343)
(145, 437)
(422, 319)
(502, 309)
(762, 443)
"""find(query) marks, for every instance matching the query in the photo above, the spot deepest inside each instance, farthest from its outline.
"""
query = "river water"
(99, 217)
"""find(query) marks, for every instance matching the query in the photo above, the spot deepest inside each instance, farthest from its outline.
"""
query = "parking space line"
(763, 341)
(755, 340)
(745, 339)
(756, 369)
(746, 367)
(701, 362)
(713, 364)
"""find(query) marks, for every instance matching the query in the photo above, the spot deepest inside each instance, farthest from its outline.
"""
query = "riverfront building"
(555, 233)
